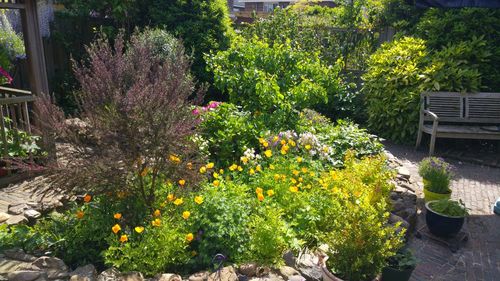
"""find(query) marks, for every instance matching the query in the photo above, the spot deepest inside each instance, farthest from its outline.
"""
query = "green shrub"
(203, 25)
(273, 81)
(436, 174)
(360, 240)
(393, 83)
(11, 47)
(229, 131)
(441, 27)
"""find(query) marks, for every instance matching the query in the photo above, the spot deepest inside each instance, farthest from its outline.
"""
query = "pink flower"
(4, 73)
(196, 111)
(213, 104)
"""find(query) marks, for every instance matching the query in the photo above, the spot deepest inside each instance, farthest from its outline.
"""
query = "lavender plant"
(437, 174)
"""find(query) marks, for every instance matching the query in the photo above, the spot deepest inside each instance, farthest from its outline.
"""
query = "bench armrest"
(432, 114)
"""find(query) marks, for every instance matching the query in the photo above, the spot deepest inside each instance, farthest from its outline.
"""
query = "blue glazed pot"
(442, 225)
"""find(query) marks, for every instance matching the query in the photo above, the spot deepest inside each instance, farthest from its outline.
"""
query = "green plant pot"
(431, 196)
(393, 274)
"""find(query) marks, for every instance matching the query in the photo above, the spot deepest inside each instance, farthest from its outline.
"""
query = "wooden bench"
(459, 115)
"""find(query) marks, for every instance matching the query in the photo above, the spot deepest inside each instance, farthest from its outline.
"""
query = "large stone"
(32, 214)
(4, 217)
(24, 275)
(404, 172)
(17, 219)
(248, 269)
(168, 277)
(200, 276)
(19, 254)
(84, 273)
(297, 278)
(131, 276)
(287, 271)
(289, 258)
(8, 265)
(225, 274)
(46, 262)
(110, 274)
(307, 265)
(268, 277)
(19, 208)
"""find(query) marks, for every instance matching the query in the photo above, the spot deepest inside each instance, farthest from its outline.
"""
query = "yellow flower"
(178, 201)
(144, 172)
(233, 167)
(294, 181)
(260, 197)
(285, 147)
(182, 182)
(156, 222)
(283, 142)
(261, 140)
(189, 237)
(210, 165)
(303, 170)
(307, 146)
(244, 159)
(299, 159)
(87, 198)
(198, 200)
(157, 213)
(258, 168)
(294, 189)
(301, 179)
(357, 193)
(116, 228)
(216, 175)
(271, 167)
(270, 192)
(216, 183)
(203, 170)
(221, 171)
(174, 159)
(251, 172)
(275, 138)
(268, 153)
(295, 172)
(117, 216)
(265, 144)
(240, 168)
(80, 214)
(292, 143)
(276, 177)
(170, 197)
(283, 152)
(259, 190)
(139, 229)
(123, 238)
(186, 214)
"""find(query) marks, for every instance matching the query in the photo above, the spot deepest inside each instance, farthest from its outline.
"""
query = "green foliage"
(341, 137)
(442, 27)
(273, 80)
(11, 47)
(157, 249)
(164, 45)
(393, 83)
(229, 131)
(360, 240)
(20, 143)
(449, 208)
(404, 259)
(436, 174)
(203, 25)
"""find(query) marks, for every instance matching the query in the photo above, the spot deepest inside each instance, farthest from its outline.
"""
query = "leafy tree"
(203, 25)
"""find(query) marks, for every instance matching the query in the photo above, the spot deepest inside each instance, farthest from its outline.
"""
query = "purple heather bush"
(136, 117)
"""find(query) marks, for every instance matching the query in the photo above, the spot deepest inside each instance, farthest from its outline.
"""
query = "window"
(269, 7)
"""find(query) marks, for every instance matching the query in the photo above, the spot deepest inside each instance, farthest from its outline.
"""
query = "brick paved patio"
(479, 259)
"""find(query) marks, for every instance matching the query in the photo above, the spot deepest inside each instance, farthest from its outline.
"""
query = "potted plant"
(436, 174)
(400, 266)
(445, 217)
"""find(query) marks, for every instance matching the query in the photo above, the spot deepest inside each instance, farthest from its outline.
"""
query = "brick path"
(479, 259)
